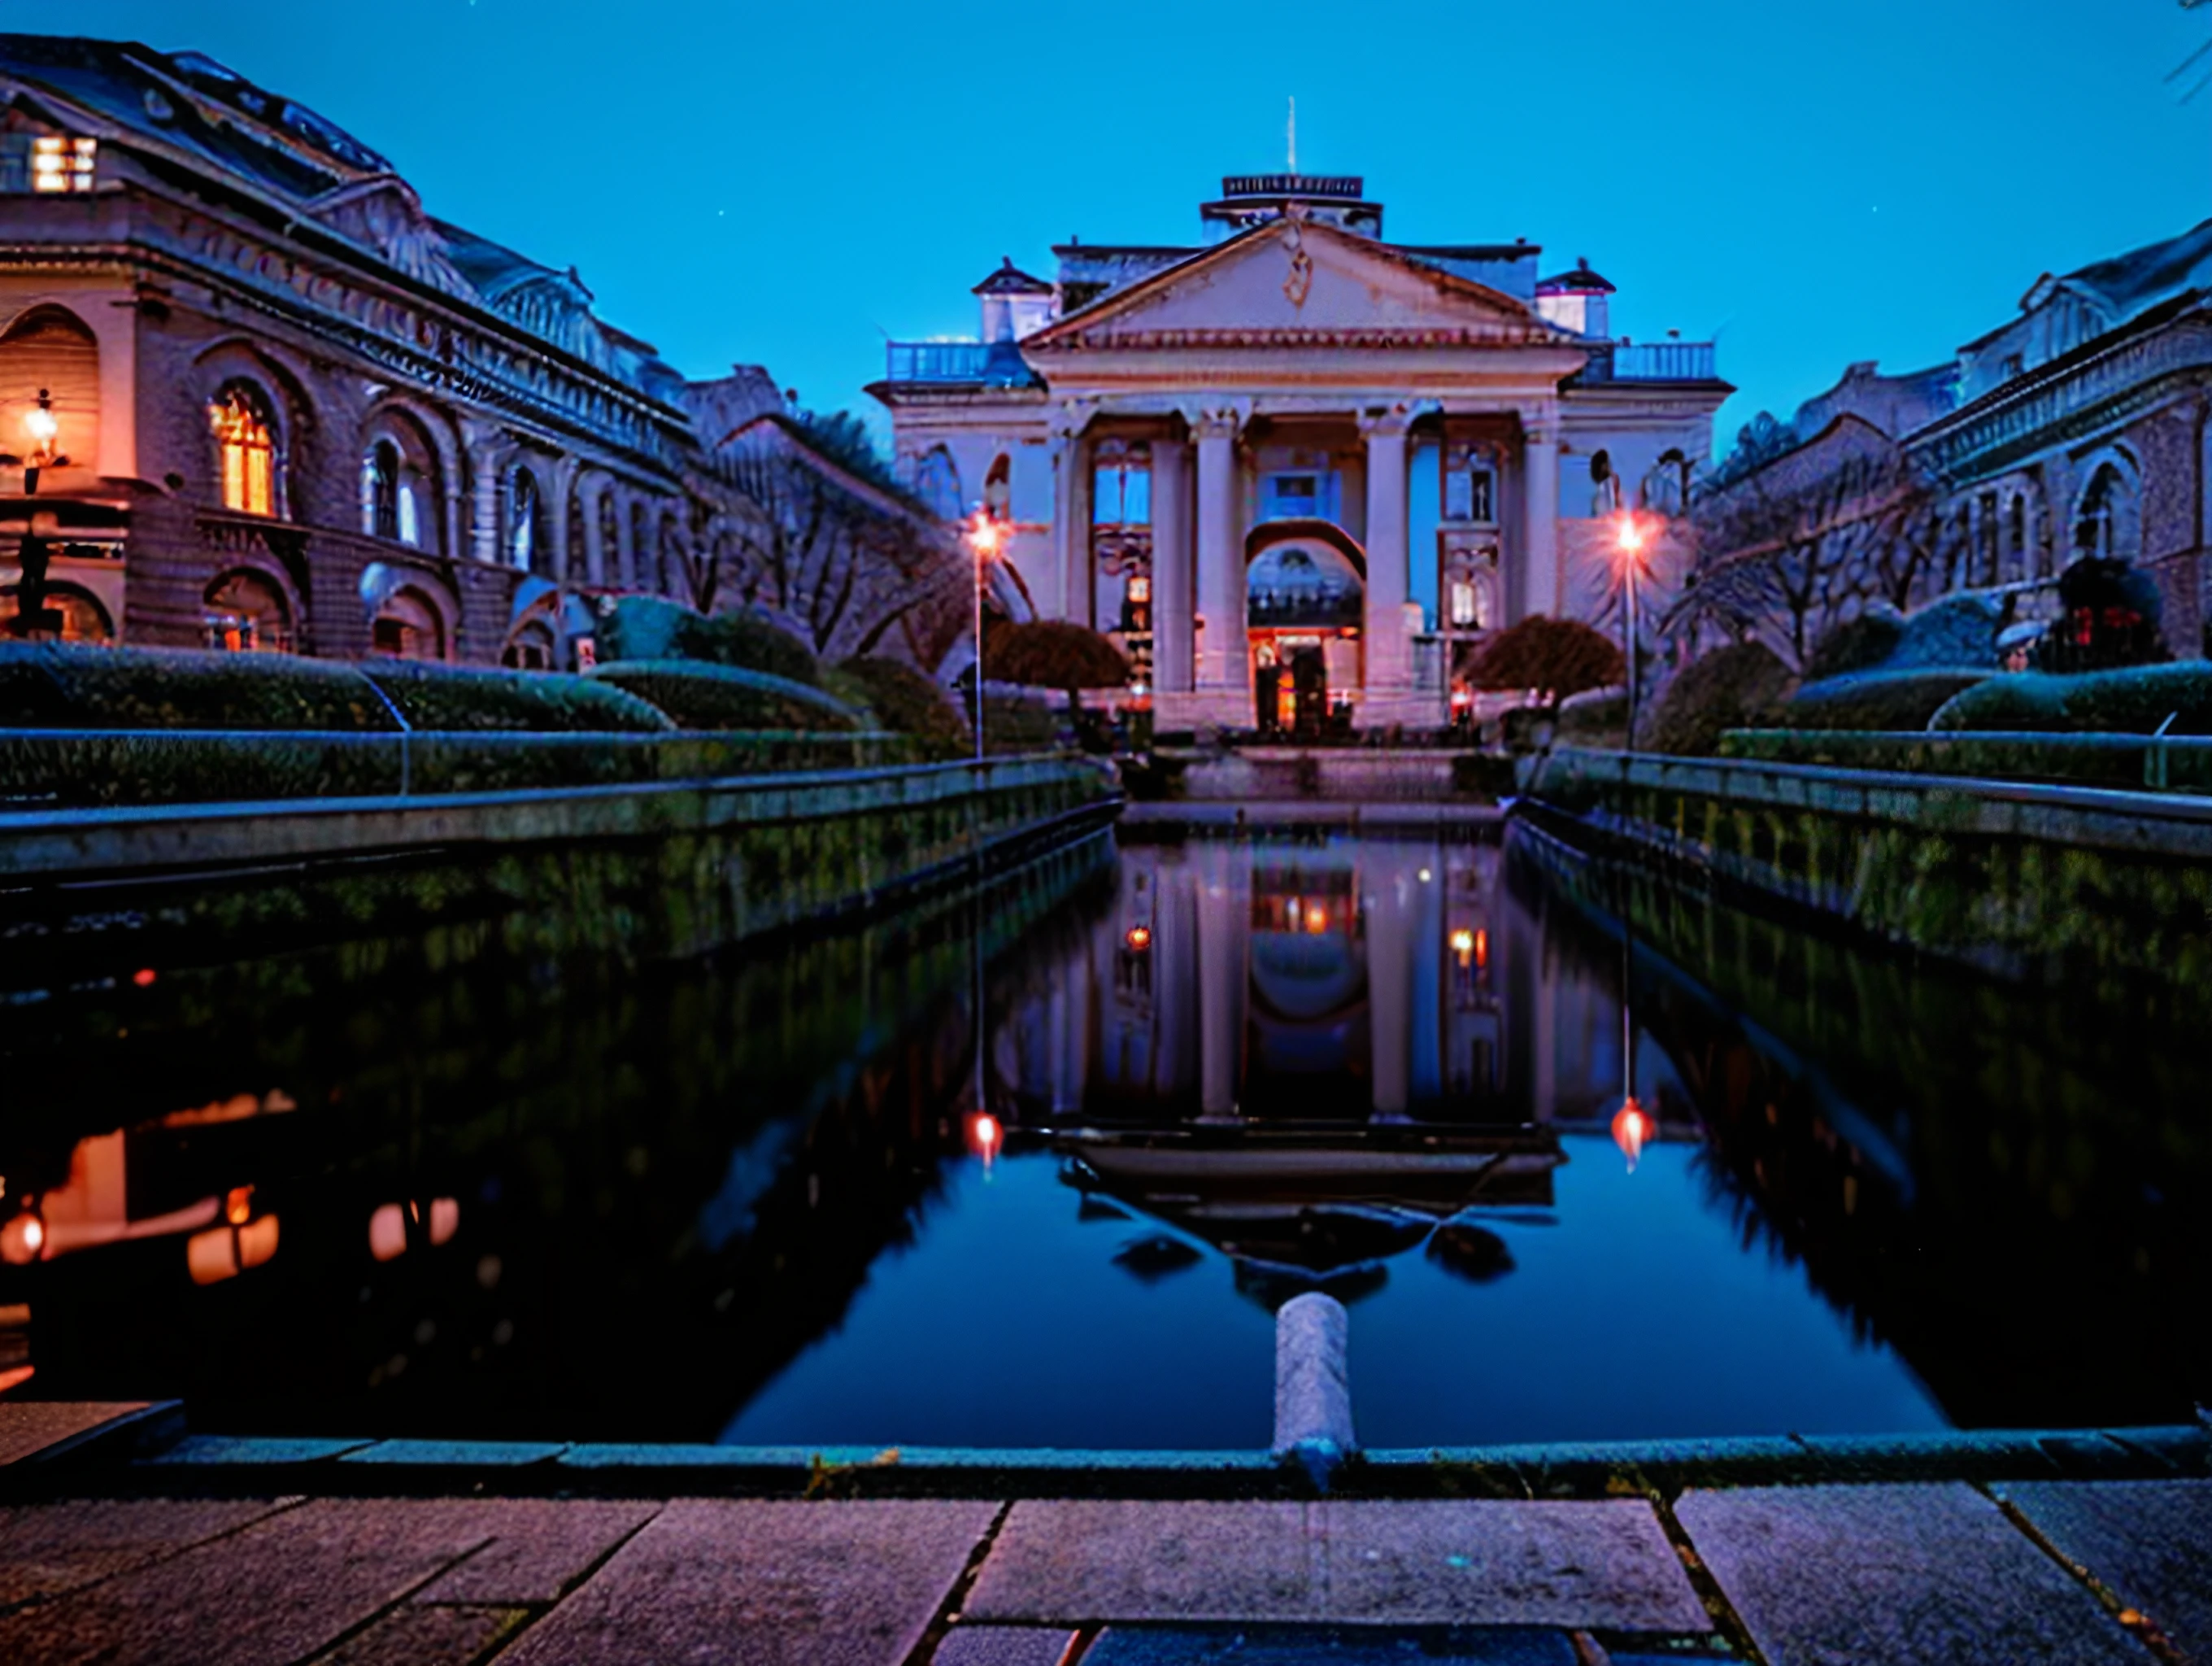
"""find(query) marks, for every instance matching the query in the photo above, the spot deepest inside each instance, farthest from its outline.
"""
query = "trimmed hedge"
(1561, 656)
(57, 686)
(46, 686)
(1741, 686)
(2094, 760)
(699, 696)
(2134, 700)
(1860, 644)
(1957, 633)
(56, 769)
(449, 697)
(1886, 699)
(907, 702)
(653, 629)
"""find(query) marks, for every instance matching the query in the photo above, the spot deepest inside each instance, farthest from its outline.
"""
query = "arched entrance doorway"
(1305, 598)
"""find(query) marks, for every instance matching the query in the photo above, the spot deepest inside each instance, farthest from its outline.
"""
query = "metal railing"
(1652, 362)
(937, 361)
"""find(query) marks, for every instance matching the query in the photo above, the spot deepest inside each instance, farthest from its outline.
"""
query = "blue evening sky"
(785, 183)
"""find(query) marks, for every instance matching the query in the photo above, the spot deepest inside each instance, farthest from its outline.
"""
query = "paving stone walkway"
(2070, 1572)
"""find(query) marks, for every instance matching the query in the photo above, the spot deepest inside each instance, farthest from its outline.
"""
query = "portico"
(1299, 473)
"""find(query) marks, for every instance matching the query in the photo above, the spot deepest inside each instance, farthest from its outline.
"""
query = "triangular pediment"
(1293, 281)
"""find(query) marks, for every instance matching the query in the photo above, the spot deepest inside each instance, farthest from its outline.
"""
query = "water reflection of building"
(1352, 980)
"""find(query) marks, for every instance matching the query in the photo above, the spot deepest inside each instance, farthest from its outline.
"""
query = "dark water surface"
(481, 1184)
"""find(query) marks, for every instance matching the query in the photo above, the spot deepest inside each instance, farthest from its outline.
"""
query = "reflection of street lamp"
(1631, 538)
(984, 537)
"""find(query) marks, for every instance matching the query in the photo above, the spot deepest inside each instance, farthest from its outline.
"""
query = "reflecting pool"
(1036, 1169)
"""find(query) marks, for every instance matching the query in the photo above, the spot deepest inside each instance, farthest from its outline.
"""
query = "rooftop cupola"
(1014, 303)
(1575, 300)
(1253, 199)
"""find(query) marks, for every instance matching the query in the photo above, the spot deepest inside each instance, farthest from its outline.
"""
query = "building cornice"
(2069, 401)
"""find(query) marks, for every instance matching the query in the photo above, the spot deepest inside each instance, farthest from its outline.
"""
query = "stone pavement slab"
(48, 1549)
(1311, 1645)
(28, 1427)
(2150, 1541)
(1004, 1645)
(426, 1634)
(1495, 1562)
(537, 1548)
(1468, 1562)
(1899, 1575)
(277, 1592)
(1084, 1560)
(768, 1581)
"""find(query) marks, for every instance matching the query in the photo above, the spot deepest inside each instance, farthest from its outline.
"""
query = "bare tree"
(838, 558)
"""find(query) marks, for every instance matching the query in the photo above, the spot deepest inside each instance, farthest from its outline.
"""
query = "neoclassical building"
(293, 411)
(1295, 467)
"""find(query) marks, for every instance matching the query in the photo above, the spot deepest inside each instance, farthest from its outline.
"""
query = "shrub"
(1741, 686)
(1596, 717)
(448, 697)
(56, 686)
(651, 628)
(1956, 632)
(45, 685)
(1562, 656)
(2133, 700)
(57, 769)
(907, 702)
(1886, 700)
(2112, 611)
(1859, 644)
(2098, 760)
(709, 696)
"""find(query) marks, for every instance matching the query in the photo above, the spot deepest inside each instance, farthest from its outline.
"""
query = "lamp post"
(984, 535)
(32, 613)
(1631, 539)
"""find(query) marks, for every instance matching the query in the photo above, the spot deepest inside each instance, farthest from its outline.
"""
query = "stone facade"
(296, 411)
(2078, 427)
(1364, 457)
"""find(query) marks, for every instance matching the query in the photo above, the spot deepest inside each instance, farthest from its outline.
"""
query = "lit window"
(249, 453)
(63, 164)
(379, 490)
(1464, 612)
(411, 525)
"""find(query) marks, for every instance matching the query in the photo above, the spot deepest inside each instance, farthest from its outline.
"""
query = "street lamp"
(32, 557)
(984, 537)
(1631, 538)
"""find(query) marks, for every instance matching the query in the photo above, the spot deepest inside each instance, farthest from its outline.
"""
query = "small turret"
(1014, 303)
(1575, 300)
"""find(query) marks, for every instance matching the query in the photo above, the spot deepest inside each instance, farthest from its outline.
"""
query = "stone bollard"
(1313, 1385)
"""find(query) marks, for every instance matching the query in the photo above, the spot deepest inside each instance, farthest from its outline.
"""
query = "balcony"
(971, 363)
(1652, 362)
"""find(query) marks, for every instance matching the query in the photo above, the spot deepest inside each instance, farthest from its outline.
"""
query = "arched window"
(246, 440)
(50, 362)
(936, 484)
(83, 618)
(1605, 486)
(998, 489)
(2106, 525)
(640, 550)
(526, 550)
(408, 627)
(2016, 538)
(247, 614)
(379, 490)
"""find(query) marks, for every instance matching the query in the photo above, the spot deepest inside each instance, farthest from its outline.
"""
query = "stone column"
(1390, 665)
(1539, 515)
(1224, 669)
(1174, 666)
(596, 553)
(484, 543)
(1070, 518)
